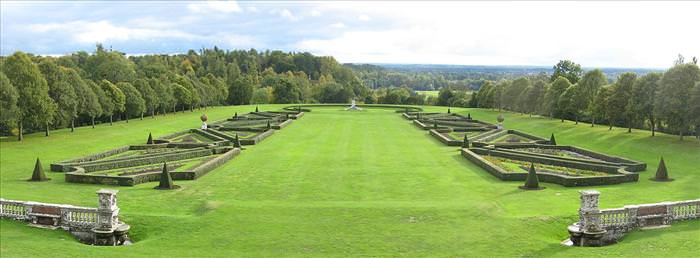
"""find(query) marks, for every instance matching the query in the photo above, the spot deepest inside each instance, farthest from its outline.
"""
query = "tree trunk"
(110, 119)
(47, 129)
(141, 115)
(682, 133)
(93, 122)
(629, 126)
(153, 114)
(20, 135)
(576, 117)
(652, 124)
(610, 123)
(593, 122)
(126, 117)
(72, 125)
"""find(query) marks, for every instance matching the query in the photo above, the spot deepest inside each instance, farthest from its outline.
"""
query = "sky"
(595, 34)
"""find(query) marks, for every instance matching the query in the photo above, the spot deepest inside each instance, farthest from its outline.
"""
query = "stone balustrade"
(99, 226)
(600, 227)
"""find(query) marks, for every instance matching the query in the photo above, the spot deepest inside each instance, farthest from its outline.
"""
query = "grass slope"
(337, 183)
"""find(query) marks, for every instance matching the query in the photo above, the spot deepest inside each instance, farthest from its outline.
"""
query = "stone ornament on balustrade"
(598, 227)
(94, 226)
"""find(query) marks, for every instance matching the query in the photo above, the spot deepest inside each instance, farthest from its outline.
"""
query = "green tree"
(148, 95)
(88, 104)
(567, 69)
(587, 89)
(182, 95)
(106, 105)
(110, 65)
(134, 105)
(551, 97)
(642, 99)
(240, 90)
(262, 96)
(8, 102)
(695, 108)
(444, 96)
(672, 100)
(115, 96)
(286, 91)
(620, 101)
(61, 92)
(600, 104)
(35, 105)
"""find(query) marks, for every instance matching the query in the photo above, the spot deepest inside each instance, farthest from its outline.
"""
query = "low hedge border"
(257, 138)
(79, 175)
(564, 180)
(632, 165)
(445, 139)
(282, 125)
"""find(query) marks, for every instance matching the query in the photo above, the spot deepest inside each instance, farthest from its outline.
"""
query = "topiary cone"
(236, 142)
(469, 116)
(552, 141)
(38, 174)
(532, 182)
(268, 124)
(256, 109)
(661, 172)
(449, 111)
(465, 142)
(166, 182)
(150, 139)
(235, 115)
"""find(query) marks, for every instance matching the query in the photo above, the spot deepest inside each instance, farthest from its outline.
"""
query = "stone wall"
(95, 226)
(598, 227)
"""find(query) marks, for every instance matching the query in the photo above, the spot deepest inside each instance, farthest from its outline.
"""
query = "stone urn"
(204, 117)
(500, 121)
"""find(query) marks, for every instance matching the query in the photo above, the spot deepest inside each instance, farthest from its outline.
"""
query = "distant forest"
(42, 93)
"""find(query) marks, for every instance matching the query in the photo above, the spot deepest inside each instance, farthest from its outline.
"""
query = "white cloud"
(214, 6)
(364, 17)
(252, 9)
(315, 13)
(597, 34)
(338, 25)
(287, 14)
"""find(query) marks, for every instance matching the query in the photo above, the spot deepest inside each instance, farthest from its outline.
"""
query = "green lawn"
(339, 183)
(429, 93)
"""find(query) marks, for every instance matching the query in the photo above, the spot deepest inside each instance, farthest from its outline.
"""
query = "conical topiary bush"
(235, 115)
(469, 116)
(552, 141)
(268, 125)
(465, 142)
(661, 172)
(256, 109)
(449, 111)
(150, 139)
(435, 125)
(38, 174)
(532, 182)
(166, 182)
(236, 142)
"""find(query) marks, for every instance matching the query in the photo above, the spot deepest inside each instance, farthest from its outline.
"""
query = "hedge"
(621, 177)
(445, 139)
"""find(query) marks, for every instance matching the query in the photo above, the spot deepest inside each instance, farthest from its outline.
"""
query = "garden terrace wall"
(444, 138)
(257, 138)
(630, 165)
(619, 176)
(282, 125)
(597, 227)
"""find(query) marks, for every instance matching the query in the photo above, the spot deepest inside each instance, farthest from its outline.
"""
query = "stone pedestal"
(109, 231)
(588, 231)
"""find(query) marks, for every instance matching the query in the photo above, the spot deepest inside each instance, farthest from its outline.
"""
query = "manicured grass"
(433, 93)
(339, 183)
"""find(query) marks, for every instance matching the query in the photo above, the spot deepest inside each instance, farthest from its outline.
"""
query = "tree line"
(42, 93)
(668, 101)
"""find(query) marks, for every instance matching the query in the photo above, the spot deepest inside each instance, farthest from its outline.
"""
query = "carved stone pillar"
(590, 222)
(107, 220)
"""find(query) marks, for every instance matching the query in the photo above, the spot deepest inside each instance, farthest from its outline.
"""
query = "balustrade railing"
(70, 216)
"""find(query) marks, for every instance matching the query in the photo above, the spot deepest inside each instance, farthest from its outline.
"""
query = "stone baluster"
(631, 211)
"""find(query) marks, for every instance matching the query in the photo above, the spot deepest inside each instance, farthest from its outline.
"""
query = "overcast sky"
(594, 34)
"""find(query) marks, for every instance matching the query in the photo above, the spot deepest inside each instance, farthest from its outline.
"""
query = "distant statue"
(500, 121)
(204, 119)
(353, 106)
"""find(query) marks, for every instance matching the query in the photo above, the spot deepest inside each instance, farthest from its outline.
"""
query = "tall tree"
(695, 107)
(115, 96)
(600, 105)
(620, 100)
(567, 69)
(106, 104)
(182, 95)
(551, 97)
(587, 89)
(672, 99)
(286, 91)
(35, 105)
(8, 102)
(642, 99)
(88, 103)
(134, 105)
(149, 96)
